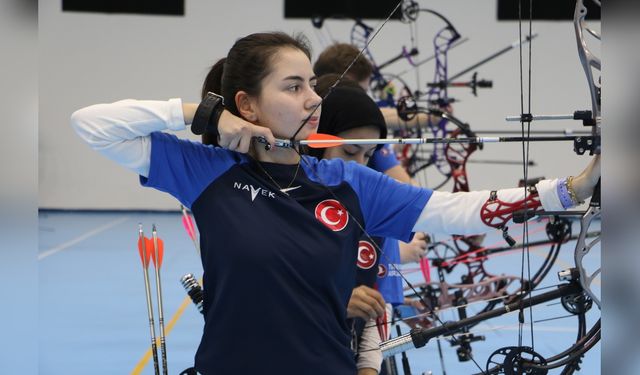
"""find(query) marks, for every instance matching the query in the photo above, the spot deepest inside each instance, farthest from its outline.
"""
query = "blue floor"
(93, 315)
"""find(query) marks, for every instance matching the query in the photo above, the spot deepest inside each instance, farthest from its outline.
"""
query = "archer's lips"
(313, 121)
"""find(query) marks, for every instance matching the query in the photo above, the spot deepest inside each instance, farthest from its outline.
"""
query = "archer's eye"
(349, 151)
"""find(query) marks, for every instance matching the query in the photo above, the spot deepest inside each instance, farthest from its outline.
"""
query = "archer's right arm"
(120, 130)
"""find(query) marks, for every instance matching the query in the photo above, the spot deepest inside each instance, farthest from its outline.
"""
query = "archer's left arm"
(480, 211)
(370, 356)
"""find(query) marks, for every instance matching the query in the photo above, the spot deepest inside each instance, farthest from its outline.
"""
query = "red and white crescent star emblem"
(332, 214)
(382, 270)
(366, 255)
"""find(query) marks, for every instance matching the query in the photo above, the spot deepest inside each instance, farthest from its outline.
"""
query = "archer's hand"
(584, 183)
(236, 133)
(414, 250)
(366, 303)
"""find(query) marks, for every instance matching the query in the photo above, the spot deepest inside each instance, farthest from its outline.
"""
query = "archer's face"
(288, 97)
(358, 153)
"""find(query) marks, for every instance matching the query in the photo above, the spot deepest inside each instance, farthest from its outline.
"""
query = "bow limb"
(589, 63)
(588, 60)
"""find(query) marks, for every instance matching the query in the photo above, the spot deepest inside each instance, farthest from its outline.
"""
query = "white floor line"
(76, 240)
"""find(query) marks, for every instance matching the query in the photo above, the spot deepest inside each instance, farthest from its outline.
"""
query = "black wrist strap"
(205, 120)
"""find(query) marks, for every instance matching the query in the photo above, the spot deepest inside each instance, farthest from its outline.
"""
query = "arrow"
(158, 250)
(319, 140)
(156, 256)
(144, 247)
(187, 223)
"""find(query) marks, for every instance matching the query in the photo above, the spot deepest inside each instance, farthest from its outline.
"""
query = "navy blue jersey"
(279, 268)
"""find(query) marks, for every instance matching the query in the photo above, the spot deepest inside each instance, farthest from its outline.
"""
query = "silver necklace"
(285, 189)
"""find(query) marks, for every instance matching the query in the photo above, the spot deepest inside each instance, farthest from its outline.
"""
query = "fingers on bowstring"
(380, 304)
(371, 301)
(365, 309)
(234, 143)
(243, 145)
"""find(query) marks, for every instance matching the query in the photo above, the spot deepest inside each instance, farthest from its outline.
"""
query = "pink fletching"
(188, 226)
(426, 269)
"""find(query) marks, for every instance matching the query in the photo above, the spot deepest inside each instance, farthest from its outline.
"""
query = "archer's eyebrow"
(298, 78)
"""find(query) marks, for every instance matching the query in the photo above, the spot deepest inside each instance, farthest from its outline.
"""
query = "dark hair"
(214, 78)
(325, 82)
(246, 65)
(337, 57)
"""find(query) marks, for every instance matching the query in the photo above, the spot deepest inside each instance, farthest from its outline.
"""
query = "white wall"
(92, 58)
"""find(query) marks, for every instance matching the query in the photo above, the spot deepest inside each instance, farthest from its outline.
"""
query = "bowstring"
(369, 40)
(525, 166)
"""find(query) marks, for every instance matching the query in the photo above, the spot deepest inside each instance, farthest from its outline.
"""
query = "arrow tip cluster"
(147, 248)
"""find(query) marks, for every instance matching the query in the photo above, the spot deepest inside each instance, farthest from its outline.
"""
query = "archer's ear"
(246, 106)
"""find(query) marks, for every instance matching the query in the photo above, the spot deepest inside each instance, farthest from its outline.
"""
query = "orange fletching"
(325, 138)
(148, 250)
(157, 263)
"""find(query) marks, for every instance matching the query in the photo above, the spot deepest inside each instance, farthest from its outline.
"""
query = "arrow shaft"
(395, 141)
(147, 289)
